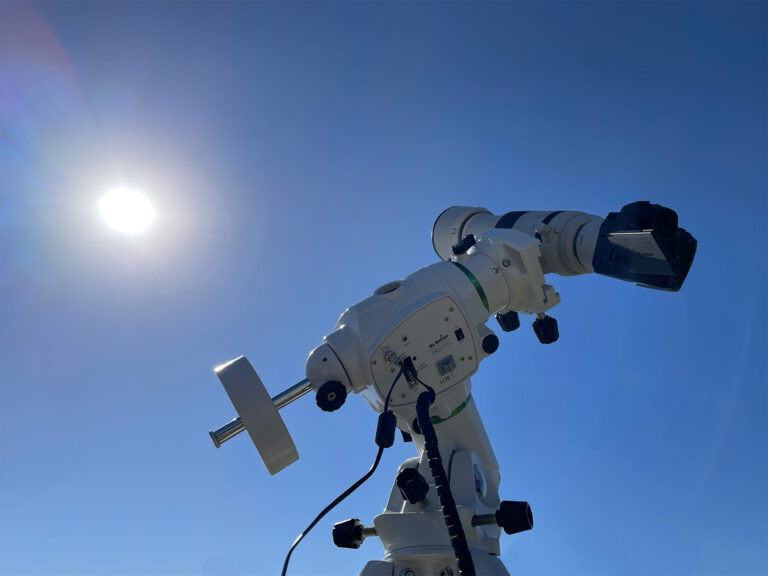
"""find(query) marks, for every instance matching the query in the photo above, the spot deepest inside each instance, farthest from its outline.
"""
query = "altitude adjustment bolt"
(546, 329)
(463, 245)
(331, 396)
(348, 534)
(514, 516)
(413, 487)
(508, 322)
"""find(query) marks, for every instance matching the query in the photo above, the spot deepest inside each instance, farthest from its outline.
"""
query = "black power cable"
(442, 484)
(354, 486)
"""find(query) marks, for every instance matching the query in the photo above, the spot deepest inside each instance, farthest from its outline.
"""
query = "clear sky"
(297, 156)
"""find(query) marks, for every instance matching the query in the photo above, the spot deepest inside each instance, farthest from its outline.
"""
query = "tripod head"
(434, 320)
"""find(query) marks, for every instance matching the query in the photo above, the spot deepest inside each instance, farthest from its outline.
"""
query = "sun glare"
(126, 211)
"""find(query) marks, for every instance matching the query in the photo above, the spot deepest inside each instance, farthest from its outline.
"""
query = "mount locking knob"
(490, 343)
(546, 329)
(331, 396)
(509, 321)
(465, 244)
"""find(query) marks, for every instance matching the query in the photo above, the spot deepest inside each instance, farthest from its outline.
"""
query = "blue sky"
(298, 155)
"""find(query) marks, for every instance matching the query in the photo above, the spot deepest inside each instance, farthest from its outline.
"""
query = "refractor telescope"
(642, 243)
(410, 350)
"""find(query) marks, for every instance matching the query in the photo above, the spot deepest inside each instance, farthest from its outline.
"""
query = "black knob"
(514, 517)
(348, 534)
(331, 396)
(490, 343)
(463, 245)
(509, 321)
(546, 329)
(412, 485)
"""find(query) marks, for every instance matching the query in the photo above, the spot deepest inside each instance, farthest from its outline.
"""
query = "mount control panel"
(438, 339)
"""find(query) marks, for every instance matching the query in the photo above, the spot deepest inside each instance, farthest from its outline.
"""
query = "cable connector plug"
(409, 371)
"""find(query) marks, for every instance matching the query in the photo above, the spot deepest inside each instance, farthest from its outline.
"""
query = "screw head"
(506, 262)
(407, 572)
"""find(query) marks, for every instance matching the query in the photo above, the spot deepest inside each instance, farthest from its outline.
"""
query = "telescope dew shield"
(643, 244)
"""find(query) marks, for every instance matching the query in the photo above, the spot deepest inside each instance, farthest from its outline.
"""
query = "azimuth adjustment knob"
(546, 329)
(331, 396)
(348, 534)
(514, 517)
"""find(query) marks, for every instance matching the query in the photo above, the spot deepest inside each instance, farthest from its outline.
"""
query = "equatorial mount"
(444, 515)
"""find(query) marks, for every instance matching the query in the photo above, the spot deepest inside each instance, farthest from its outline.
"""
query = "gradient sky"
(298, 155)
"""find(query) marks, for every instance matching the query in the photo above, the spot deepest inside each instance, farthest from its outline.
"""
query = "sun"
(127, 211)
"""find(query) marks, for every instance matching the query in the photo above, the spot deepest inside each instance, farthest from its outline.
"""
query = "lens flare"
(127, 211)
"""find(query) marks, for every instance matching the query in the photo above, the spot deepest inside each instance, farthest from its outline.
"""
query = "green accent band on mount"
(459, 408)
(476, 284)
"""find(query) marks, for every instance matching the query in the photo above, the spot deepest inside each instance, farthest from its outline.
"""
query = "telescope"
(642, 243)
(410, 350)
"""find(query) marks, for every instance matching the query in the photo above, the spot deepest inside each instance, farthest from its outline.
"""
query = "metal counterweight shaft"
(234, 427)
